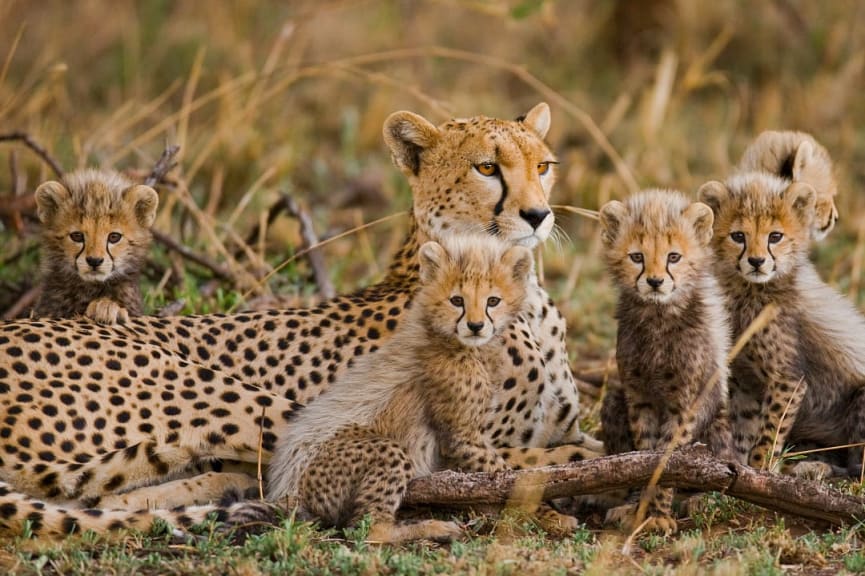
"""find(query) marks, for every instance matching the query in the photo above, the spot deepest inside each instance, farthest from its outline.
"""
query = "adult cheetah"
(91, 412)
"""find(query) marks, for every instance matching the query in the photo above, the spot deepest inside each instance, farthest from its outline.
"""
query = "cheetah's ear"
(144, 201)
(801, 198)
(612, 214)
(432, 257)
(519, 260)
(701, 218)
(713, 194)
(802, 159)
(407, 135)
(538, 119)
(49, 197)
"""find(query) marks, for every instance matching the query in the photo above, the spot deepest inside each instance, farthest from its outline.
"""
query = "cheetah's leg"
(359, 474)
(778, 414)
(744, 418)
(617, 431)
(138, 465)
(195, 491)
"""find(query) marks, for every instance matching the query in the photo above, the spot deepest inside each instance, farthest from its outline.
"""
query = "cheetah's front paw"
(811, 470)
(106, 311)
(557, 524)
(661, 523)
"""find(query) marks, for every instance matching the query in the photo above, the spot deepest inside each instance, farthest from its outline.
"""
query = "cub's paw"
(106, 311)
(661, 523)
(811, 470)
(555, 523)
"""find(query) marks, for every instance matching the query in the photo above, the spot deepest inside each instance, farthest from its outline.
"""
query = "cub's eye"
(115, 237)
(636, 257)
(737, 237)
(493, 301)
(544, 167)
(77, 237)
(487, 168)
(775, 237)
(457, 301)
(673, 257)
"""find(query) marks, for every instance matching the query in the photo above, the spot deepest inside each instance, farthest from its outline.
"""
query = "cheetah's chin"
(757, 277)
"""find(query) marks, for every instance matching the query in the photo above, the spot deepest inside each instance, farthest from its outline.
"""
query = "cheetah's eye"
(488, 168)
(457, 301)
(636, 257)
(77, 237)
(115, 237)
(493, 301)
(775, 237)
(544, 167)
(737, 237)
(673, 257)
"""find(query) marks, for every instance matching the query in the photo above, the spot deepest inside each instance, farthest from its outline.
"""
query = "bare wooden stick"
(33, 145)
(218, 270)
(692, 467)
(315, 256)
(163, 166)
(24, 302)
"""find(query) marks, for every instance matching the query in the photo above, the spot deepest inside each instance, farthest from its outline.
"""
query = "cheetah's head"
(96, 224)
(472, 287)
(762, 225)
(656, 243)
(478, 174)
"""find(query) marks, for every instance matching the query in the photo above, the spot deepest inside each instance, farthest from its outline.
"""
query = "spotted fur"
(95, 237)
(673, 334)
(800, 378)
(90, 412)
(797, 157)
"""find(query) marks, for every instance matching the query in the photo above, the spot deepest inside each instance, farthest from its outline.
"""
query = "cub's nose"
(534, 216)
(94, 262)
(475, 327)
(756, 262)
(654, 282)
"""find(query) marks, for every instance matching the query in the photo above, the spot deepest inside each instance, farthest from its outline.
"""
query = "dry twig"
(33, 145)
(692, 467)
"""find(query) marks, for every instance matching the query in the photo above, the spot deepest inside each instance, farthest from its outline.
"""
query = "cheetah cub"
(96, 233)
(801, 378)
(797, 157)
(416, 406)
(673, 334)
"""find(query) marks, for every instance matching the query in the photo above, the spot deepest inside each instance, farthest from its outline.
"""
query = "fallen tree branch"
(692, 467)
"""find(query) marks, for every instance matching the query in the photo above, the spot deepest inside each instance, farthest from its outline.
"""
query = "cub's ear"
(407, 135)
(713, 194)
(538, 119)
(432, 258)
(701, 218)
(519, 260)
(144, 202)
(802, 159)
(612, 214)
(49, 197)
(801, 198)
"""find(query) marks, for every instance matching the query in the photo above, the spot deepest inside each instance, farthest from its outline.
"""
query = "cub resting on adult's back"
(673, 334)
(801, 378)
(95, 237)
(417, 405)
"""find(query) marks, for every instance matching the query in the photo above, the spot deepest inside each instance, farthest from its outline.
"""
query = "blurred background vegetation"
(273, 98)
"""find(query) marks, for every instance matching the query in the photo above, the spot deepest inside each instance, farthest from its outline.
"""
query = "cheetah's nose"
(94, 262)
(475, 327)
(654, 282)
(534, 216)
(756, 262)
